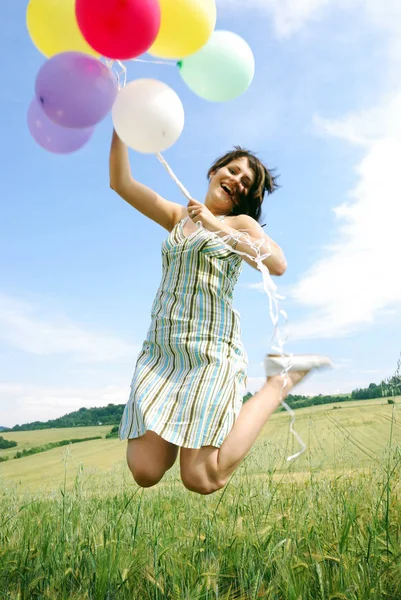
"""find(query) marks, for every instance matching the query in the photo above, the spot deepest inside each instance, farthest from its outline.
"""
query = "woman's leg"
(208, 469)
(253, 416)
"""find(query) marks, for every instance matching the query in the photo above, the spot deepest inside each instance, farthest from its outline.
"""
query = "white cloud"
(383, 13)
(27, 403)
(29, 328)
(366, 127)
(359, 277)
(288, 15)
(259, 287)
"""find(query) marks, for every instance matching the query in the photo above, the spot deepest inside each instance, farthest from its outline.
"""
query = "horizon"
(348, 395)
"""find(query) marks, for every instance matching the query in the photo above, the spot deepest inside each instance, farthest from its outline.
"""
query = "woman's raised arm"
(141, 197)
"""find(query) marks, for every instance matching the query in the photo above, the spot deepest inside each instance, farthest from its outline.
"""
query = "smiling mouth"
(226, 190)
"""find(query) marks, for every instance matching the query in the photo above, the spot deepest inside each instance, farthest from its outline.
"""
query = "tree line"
(385, 389)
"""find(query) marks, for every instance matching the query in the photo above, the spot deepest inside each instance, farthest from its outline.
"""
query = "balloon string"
(277, 342)
(173, 176)
(120, 74)
(156, 62)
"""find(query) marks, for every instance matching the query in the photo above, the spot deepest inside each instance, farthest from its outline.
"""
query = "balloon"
(148, 116)
(75, 90)
(53, 27)
(186, 26)
(119, 29)
(52, 137)
(221, 70)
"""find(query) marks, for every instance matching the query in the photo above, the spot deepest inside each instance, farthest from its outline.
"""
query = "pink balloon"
(119, 29)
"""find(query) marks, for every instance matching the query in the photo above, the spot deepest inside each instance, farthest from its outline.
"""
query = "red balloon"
(119, 29)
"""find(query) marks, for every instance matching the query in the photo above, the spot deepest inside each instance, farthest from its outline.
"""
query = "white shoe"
(275, 365)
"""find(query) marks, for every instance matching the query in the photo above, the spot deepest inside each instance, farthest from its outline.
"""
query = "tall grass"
(321, 537)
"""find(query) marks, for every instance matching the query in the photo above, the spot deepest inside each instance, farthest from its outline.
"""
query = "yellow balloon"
(53, 27)
(186, 26)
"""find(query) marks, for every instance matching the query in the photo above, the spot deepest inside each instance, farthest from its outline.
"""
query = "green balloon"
(222, 70)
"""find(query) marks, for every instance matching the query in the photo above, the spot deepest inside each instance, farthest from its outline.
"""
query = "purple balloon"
(52, 137)
(75, 90)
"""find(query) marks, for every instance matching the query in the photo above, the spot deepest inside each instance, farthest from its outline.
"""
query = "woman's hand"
(198, 212)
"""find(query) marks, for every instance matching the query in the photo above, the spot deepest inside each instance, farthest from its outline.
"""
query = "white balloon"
(148, 116)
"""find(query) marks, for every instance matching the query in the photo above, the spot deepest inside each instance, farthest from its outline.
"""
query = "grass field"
(352, 436)
(29, 439)
(74, 525)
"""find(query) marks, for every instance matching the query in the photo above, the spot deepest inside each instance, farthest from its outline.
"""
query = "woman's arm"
(275, 262)
(141, 197)
(244, 231)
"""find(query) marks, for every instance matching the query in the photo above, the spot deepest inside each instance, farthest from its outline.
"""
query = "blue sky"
(79, 267)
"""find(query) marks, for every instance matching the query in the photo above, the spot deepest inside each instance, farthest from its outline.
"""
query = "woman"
(188, 384)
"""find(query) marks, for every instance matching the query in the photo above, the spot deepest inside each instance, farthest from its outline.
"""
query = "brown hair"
(265, 181)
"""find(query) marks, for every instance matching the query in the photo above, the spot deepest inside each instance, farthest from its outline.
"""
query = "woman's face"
(228, 184)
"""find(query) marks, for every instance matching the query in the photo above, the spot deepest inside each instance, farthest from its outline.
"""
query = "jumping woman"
(187, 388)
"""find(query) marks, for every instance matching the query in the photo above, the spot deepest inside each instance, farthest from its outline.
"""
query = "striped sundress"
(190, 375)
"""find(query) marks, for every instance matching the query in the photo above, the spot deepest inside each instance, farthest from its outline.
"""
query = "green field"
(28, 439)
(353, 435)
(74, 525)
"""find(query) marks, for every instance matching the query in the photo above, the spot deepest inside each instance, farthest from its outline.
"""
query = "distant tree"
(4, 444)
(113, 433)
(392, 385)
(84, 417)
(389, 387)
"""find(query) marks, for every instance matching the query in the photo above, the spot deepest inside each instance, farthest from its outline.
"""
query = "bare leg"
(253, 416)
